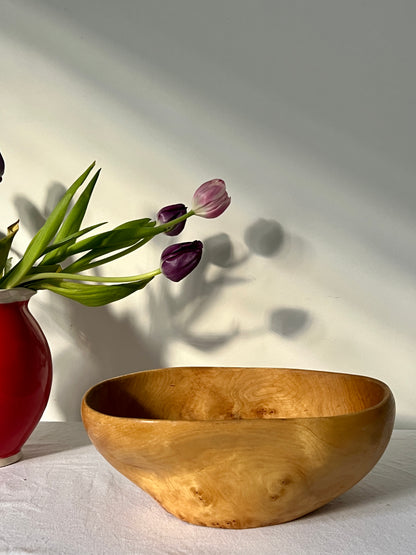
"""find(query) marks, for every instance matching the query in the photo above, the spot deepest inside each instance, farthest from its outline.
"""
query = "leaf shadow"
(30, 215)
(105, 343)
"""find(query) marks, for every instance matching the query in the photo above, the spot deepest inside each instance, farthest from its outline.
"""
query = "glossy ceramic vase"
(25, 373)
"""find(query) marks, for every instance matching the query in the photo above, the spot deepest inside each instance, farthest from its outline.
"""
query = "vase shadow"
(55, 437)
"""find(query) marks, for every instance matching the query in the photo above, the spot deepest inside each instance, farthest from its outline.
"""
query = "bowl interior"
(234, 393)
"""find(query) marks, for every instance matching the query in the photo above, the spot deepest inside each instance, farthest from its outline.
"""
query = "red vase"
(25, 373)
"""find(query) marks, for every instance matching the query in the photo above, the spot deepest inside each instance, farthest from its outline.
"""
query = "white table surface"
(63, 497)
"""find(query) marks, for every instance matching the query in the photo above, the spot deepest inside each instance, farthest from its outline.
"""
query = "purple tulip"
(169, 213)
(177, 261)
(1, 166)
(211, 199)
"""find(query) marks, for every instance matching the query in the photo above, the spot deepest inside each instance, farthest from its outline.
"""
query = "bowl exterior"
(243, 473)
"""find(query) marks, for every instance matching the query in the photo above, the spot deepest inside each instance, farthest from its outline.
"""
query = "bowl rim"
(387, 396)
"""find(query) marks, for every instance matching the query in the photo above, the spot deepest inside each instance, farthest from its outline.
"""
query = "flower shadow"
(175, 316)
(265, 237)
(121, 344)
(289, 322)
(109, 343)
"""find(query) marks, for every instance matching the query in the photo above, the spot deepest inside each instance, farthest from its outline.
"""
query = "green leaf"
(5, 245)
(120, 237)
(42, 268)
(72, 223)
(56, 246)
(45, 235)
(92, 295)
(86, 261)
(8, 265)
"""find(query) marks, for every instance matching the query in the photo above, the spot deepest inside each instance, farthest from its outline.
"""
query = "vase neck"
(18, 294)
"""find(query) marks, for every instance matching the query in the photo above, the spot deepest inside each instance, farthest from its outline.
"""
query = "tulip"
(211, 199)
(1, 166)
(177, 261)
(169, 213)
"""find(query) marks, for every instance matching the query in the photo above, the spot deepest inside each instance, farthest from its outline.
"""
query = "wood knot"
(204, 499)
(264, 412)
(279, 488)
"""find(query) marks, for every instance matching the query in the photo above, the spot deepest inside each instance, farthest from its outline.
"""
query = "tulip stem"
(79, 277)
(168, 225)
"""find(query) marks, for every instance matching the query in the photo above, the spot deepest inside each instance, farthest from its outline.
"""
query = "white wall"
(305, 108)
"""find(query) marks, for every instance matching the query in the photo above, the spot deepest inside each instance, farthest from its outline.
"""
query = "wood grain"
(240, 447)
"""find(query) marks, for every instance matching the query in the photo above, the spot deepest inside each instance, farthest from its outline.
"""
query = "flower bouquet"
(57, 259)
(61, 251)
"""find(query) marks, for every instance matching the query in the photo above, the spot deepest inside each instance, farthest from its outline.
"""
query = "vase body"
(25, 373)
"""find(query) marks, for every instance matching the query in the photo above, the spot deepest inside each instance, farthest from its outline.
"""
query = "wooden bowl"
(240, 447)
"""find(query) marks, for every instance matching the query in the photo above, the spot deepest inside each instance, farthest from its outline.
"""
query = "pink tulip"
(211, 199)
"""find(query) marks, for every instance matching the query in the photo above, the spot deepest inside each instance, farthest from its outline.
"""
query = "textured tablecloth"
(63, 497)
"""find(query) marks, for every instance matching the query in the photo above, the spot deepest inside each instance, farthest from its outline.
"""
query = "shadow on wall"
(267, 238)
(110, 344)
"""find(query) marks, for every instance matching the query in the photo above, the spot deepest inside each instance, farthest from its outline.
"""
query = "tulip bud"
(1, 166)
(169, 213)
(211, 199)
(177, 261)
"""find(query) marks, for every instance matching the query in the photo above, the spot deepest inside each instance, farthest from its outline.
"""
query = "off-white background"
(306, 108)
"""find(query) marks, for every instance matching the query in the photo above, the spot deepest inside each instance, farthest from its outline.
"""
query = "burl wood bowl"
(240, 447)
